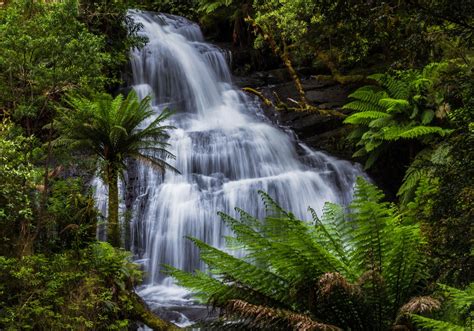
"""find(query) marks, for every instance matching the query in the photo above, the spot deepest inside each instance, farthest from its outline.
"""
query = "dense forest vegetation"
(404, 262)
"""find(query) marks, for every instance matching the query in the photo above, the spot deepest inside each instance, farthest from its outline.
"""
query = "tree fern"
(353, 268)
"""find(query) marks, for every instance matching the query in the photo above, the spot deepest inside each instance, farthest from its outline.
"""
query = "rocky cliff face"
(318, 131)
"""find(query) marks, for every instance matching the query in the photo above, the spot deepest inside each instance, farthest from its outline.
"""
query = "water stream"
(226, 150)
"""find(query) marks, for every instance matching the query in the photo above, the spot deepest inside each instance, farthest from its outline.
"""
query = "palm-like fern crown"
(116, 129)
(397, 108)
(351, 269)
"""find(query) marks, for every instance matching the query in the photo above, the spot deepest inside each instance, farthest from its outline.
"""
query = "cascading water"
(226, 150)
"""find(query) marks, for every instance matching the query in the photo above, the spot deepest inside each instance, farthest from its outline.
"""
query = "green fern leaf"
(435, 325)
(421, 130)
(362, 106)
(368, 94)
(427, 116)
(394, 105)
(365, 117)
(381, 122)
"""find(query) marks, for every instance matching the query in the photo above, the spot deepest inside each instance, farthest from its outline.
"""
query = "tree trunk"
(285, 57)
(113, 229)
(294, 75)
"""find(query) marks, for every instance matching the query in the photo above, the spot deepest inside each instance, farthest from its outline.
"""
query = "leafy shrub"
(17, 191)
(84, 289)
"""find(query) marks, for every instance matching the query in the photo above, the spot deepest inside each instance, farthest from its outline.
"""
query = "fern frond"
(265, 318)
(203, 285)
(357, 133)
(271, 206)
(363, 106)
(360, 153)
(435, 325)
(419, 131)
(377, 77)
(403, 267)
(462, 299)
(410, 183)
(365, 117)
(427, 116)
(381, 122)
(370, 217)
(368, 94)
(373, 156)
(232, 268)
(397, 89)
(440, 155)
(394, 105)
(336, 232)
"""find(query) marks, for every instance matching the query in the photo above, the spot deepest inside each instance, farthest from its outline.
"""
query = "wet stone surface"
(318, 131)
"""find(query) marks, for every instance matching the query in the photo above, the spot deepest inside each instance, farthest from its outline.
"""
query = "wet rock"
(318, 131)
(182, 315)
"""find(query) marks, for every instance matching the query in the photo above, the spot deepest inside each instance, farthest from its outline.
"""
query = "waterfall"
(225, 149)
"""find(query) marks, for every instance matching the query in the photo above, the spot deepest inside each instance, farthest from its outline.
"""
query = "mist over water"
(225, 149)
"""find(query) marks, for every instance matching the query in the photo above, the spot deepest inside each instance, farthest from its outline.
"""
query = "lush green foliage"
(69, 219)
(348, 32)
(53, 273)
(45, 51)
(72, 216)
(443, 203)
(396, 109)
(353, 270)
(17, 192)
(458, 316)
(109, 20)
(85, 289)
(111, 130)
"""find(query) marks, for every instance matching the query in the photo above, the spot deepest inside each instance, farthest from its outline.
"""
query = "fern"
(427, 116)
(395, 109)
(391, 105)
(262, 317)
(435, 325)
(422, 167)
(463, 304)
(369, 94)
(362, 106)
(365, 117)
(463, 300)
(210, 6)
(419, 131)
(348, 269)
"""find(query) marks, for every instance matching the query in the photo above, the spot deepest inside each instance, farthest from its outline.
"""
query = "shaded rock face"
(324, 132)
(321, 132)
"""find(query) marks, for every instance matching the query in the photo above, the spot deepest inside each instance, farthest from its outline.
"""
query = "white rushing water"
(226, 150)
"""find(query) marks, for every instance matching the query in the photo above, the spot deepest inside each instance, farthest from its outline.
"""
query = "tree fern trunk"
(113, 230)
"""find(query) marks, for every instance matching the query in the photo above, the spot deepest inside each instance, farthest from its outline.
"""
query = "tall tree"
(114, 130)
